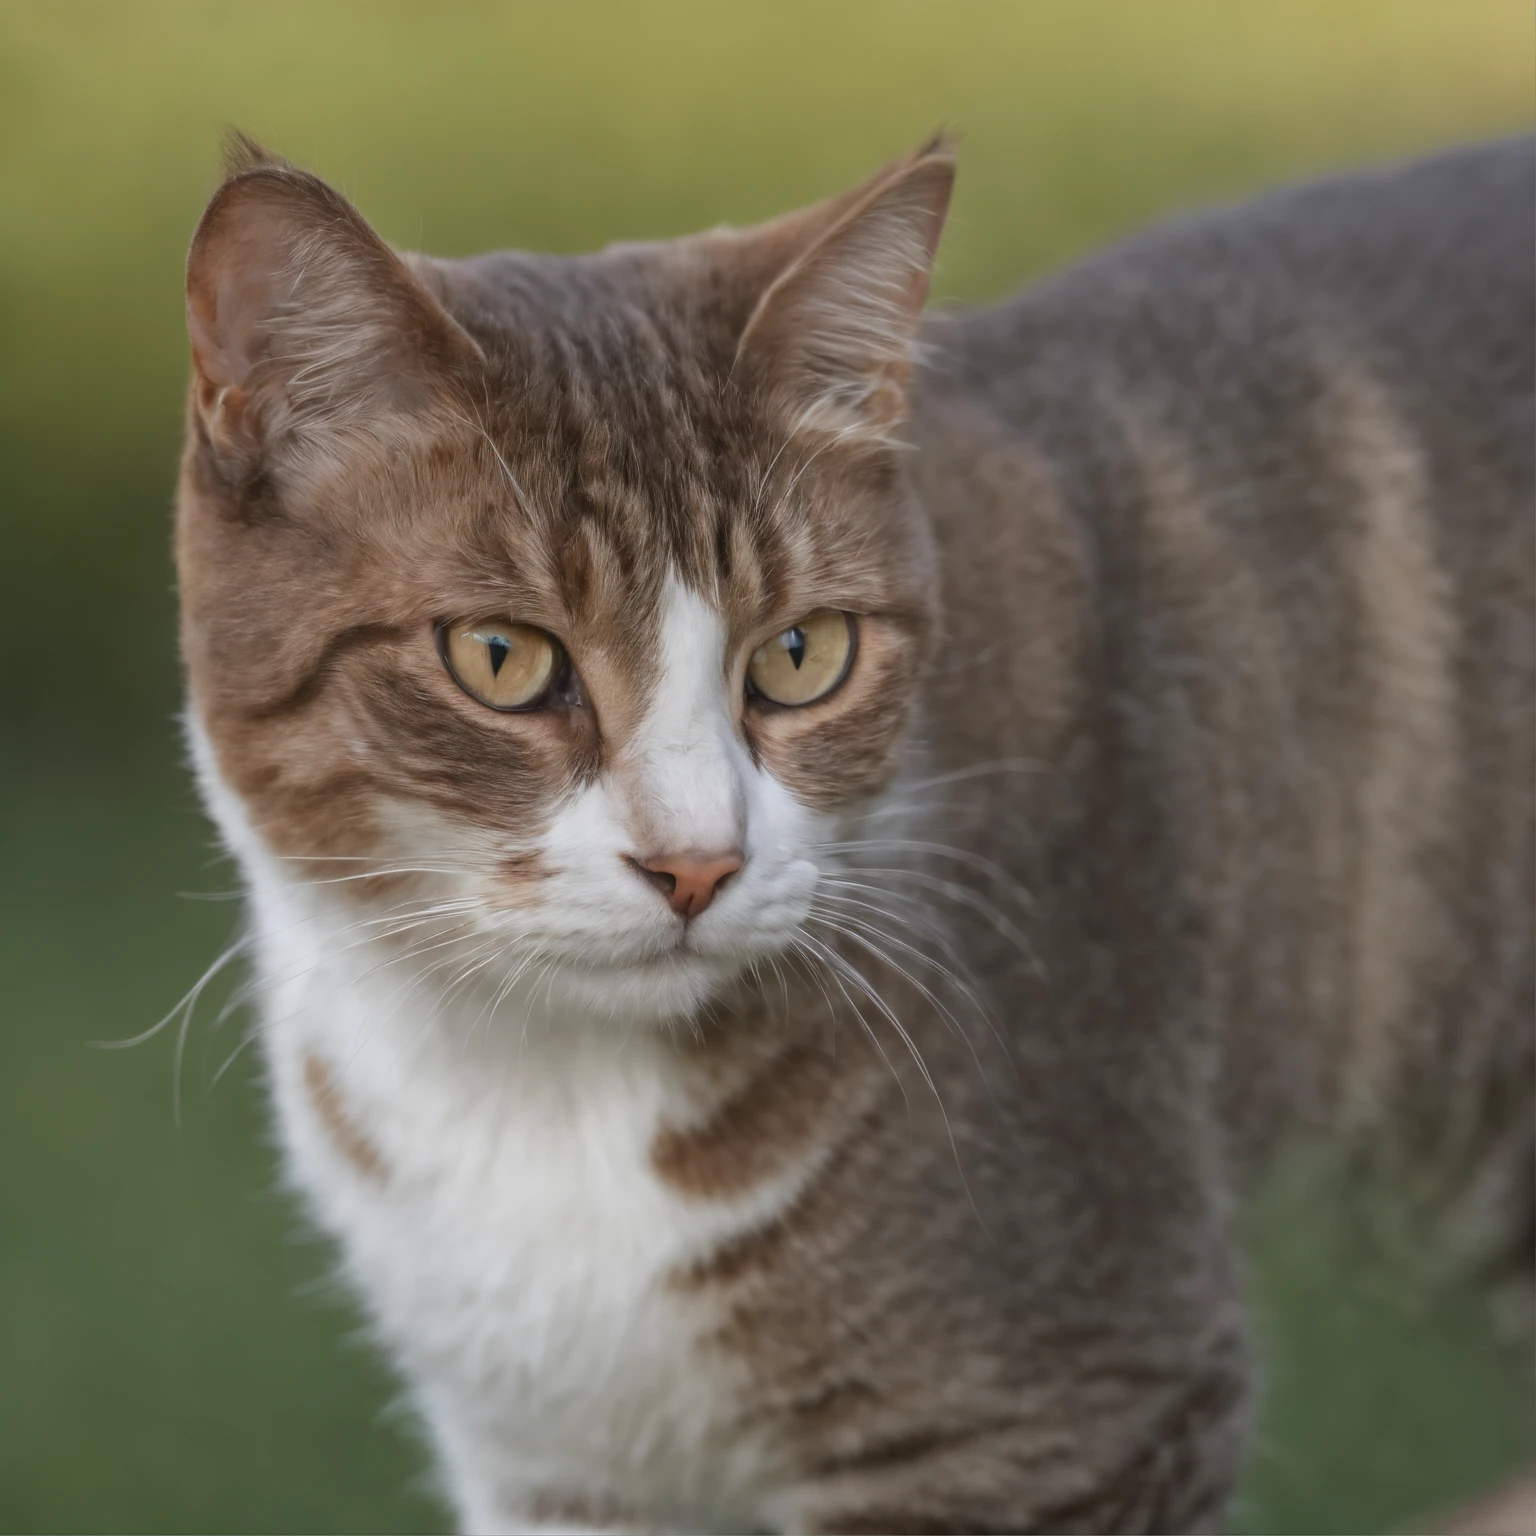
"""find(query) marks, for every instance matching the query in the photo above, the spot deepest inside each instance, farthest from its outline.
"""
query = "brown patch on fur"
(519, 875)
(1407, 779)
(746, 1254)
(757, 1132)
(807, 1099)
(581, 1511)
(351, 1142)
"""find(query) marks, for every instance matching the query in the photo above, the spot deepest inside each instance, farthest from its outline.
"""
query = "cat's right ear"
(303, 320)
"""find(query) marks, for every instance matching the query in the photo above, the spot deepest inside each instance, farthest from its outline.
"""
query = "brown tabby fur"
(1199, 584)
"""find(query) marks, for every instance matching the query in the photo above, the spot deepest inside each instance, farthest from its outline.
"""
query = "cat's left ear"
(832, 337)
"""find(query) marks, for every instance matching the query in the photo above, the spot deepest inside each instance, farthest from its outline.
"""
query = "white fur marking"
(516, 1258)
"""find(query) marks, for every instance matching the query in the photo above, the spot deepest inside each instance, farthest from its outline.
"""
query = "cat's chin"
(644, 991)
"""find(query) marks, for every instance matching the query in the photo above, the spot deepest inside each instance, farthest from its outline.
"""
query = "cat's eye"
(804, 662)
(506, 666)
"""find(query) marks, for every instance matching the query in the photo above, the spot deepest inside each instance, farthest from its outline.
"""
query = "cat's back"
(1239, 514)
(1278, 368)
(1429, 266)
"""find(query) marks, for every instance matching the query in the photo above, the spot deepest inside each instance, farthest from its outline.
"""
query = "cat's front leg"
(1038, 1328)
(1024, 1477)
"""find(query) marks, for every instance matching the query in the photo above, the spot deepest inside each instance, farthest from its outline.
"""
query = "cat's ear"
(301, 318)
(832, 336)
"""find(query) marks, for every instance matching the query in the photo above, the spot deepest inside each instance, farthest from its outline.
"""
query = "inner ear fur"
(301, 318)
(831, 338)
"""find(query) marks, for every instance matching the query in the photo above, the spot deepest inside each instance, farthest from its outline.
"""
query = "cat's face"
(574, 603)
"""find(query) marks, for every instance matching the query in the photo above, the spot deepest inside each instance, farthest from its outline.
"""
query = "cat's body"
(1177, 796)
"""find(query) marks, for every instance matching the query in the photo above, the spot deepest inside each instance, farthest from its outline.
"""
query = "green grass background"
(170, 1356)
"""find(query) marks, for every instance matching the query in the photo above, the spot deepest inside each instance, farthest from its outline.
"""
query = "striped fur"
(1178, 804)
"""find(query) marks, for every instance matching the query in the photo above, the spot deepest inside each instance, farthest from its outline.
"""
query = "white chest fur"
(496, 1205)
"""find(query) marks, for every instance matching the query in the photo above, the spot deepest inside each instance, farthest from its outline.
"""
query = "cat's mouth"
(681, 956)
(684, 959)
(643, 985)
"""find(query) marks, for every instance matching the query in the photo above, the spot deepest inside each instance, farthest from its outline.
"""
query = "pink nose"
(689, 881)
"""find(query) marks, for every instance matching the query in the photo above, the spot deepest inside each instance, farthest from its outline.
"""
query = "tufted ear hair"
(831, 338)
(303, 320)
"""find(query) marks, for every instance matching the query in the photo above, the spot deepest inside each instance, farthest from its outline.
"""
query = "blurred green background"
(171, 1357)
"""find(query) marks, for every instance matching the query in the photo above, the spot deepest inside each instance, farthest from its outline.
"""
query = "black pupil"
(794, 643)
(501, 648)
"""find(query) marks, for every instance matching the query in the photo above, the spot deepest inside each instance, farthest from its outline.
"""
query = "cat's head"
(580, 599)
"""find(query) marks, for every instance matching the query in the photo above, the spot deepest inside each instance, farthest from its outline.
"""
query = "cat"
(802, 855)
